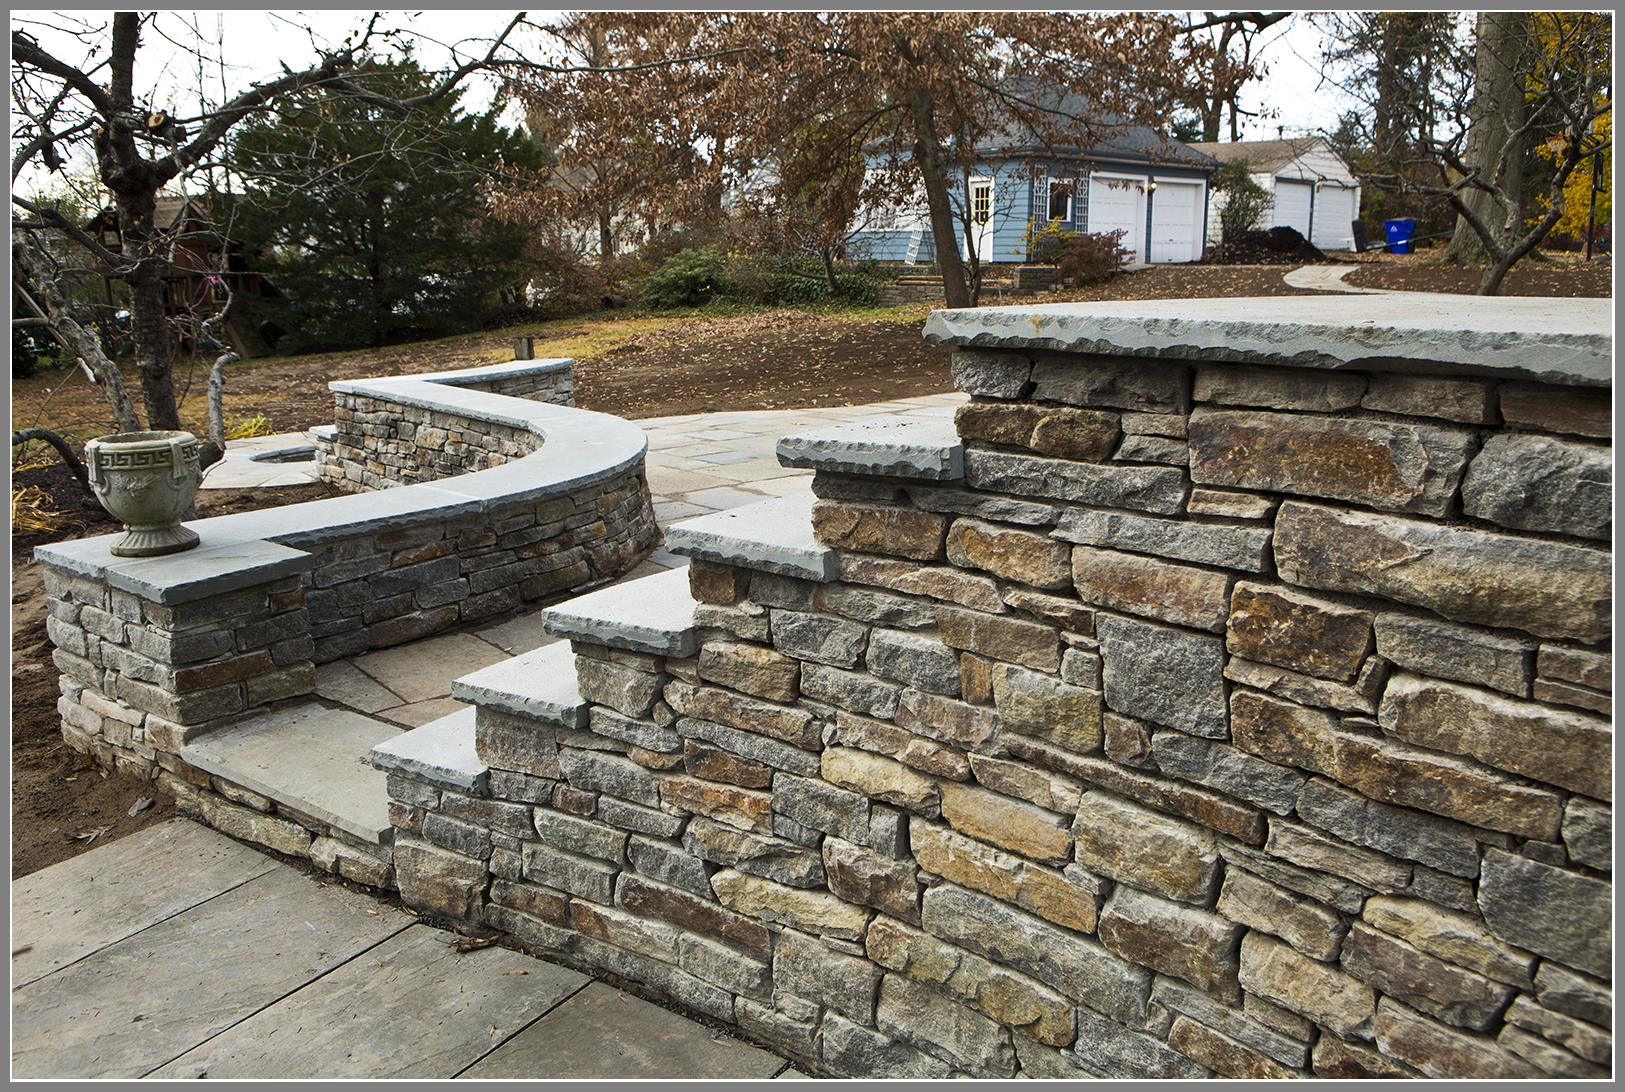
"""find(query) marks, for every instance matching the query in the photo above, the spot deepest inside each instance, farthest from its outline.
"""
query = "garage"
(1336, 209)
(1293, 205)
(1118, 204)
(1176, 222)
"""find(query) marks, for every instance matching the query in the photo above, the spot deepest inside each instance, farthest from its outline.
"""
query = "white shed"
(1313, 189)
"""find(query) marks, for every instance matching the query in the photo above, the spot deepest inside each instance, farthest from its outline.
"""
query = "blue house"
(1153, 189)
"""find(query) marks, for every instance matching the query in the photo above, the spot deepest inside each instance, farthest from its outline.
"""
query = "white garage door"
(1175, 222)
(1118, 204)
(1334, 218)
(1292, 205)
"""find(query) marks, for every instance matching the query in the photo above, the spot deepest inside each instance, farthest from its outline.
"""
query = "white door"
(1118, 204)
(1292, 201)
(981, 217)
(1176, 221)
(1335, 213)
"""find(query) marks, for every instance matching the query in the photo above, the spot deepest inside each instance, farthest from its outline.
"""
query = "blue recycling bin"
(1399, 235)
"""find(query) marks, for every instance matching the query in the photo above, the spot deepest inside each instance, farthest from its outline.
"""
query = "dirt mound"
(1277, 246)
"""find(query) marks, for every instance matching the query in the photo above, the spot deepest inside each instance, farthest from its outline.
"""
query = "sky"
(256, 42)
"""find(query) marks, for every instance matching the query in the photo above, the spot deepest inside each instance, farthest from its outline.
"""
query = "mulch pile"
(1277, 246)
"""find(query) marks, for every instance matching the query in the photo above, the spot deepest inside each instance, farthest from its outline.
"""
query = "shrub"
(1245, 201)
(1046, 245)
(1088, 259)
(689, 278)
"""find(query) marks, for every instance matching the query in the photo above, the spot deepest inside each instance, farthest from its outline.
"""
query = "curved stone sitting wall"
(155, 652)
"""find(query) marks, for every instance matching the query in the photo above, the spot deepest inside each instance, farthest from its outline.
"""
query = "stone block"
(1041, 787)
(615, 926)
(1549, 911)
(1051, 894)
(1540, 483)
(625, 689)
(1014, 825)
(1041, 1014)
(915, 751)
(809, 968)
(1562, 990)
(1211, 809)
(699, 915)
(1164, 675)
(1384, 464)
(1223, 1055)
(1008, 639)
(935, 582)
(815, 912)
(1592, 669)
(879, 608)
(816, 637)
(641, 735)
(952, 722)
(252, 826)
(1335, 1059)
(1588, 832)
(1360, 696)
(1559, 693)
(724, 585)
(1281, 627)
(1278, 388)
(1025, 557)
(1324, 993)
(1128, 741)
(1448, 397)
(815, 803)
(710, 763)
(1403, 832)
(511, 742)
(1313, 929)
(917, 1014)
(881, 779)
(860, 875)
(1546, 588)
(1581, 411)
(1318, 852)
(1054, 610)
(1111, 1051)
(722, 966)
(853, 691)
(669, 863)
(581, 836)
(1123, 382)
(1444, 991)
(540, 902)
(746, 622)
(896, 532)
(636, 817)
(587, 877)
(1288, 1050)
(848, 1048)
(1444, 1052)
(1461, 653)
(1147, 850)
(1219, 766)
(963, 502)
(1000, 423)
(913, 659)
(706, 703)
(1195, 945)
(760, 672)
(1157, 489)
(1558, 747)
(759, 854)
(1547, 1056)
(435, 881)
(1229, 504)
(1226, 546)
(1592, 1043)
(1039, 705)
(1153, 449)
(991, 373)
(743, 809)
(739, 754)
(595, 771)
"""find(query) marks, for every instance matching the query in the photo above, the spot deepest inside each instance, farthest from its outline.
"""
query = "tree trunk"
(82, 342)
(944, 228)
(135, 197)
(606, 236)
(1498, 110)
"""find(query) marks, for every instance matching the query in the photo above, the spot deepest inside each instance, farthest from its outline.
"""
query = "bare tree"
(61, 105)
(916, 97)
(1451, 116)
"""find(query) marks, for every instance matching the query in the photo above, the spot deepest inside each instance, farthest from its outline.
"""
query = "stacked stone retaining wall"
(1220, 708)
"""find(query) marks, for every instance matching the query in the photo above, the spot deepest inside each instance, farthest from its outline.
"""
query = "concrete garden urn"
(147, 480)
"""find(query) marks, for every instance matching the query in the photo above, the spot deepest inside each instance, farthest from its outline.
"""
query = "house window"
(1060, 201)
(981, 202)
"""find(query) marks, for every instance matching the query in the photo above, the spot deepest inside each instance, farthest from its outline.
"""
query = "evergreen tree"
(380, 222)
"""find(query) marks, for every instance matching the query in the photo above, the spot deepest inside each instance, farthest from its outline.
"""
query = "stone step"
(441, 752)
(654, 614)
(309, 758)
(895, 447)
(770, 536)
(540, 683)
